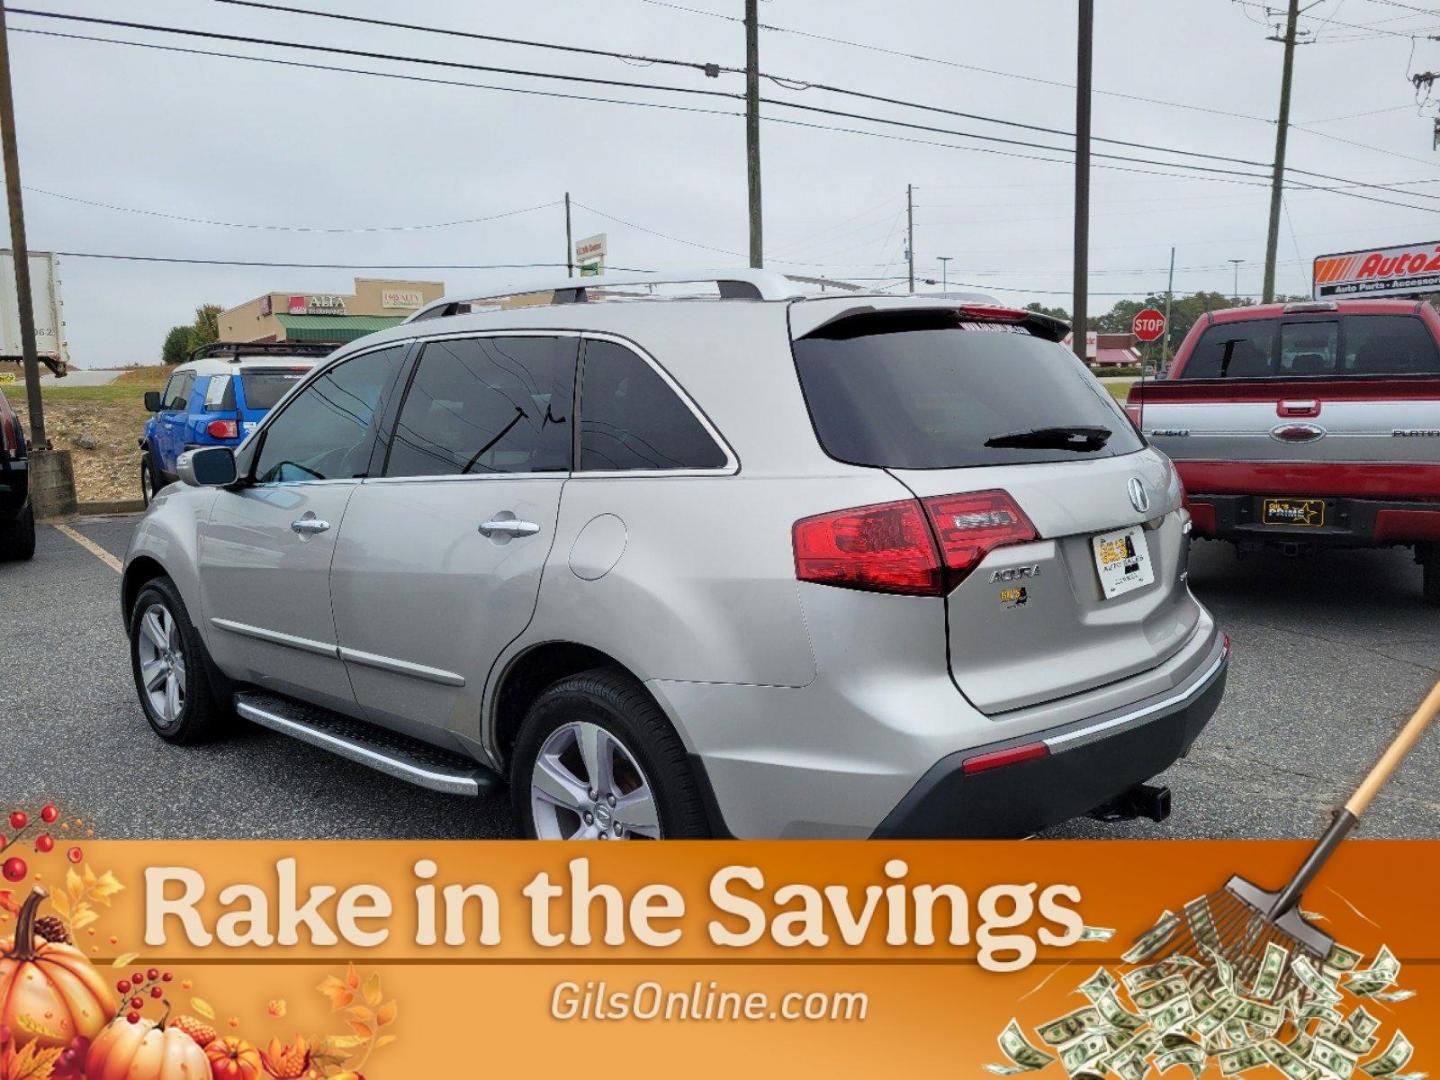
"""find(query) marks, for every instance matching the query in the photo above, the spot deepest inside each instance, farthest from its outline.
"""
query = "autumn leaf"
(372, 990)
(105, 887)
(342, 1043)
(35, 1027)
(384, 1040)
(73, 884)
(365, 1031)
(88, 876)
(84, 915)
(386, 1013)
(339, 994)
(124, 959)
(203, 1007)
(352, 977)
(33, 1063)
(59, 901)
(7, 902)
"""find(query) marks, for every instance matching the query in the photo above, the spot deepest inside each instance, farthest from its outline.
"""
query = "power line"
(1205, 171)
(290, 228)
(905, 55)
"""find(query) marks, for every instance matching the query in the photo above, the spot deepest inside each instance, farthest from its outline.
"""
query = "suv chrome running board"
(385, 751)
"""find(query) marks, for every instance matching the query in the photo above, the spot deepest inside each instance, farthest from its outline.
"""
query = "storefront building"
(328, 317)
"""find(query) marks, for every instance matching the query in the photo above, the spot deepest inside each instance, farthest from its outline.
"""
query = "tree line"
(183, 340)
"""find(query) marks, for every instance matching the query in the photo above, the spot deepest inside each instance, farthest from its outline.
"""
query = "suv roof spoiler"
(743, 284)
(235, 351)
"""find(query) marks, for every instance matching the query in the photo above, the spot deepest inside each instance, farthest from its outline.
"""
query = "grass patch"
(1118, 390)
(113, 394)
(148, 378)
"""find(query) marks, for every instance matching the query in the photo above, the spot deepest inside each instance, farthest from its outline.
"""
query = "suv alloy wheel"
(170, 666)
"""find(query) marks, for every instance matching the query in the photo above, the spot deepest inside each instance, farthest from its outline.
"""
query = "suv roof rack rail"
(234, 351)
(743, 284)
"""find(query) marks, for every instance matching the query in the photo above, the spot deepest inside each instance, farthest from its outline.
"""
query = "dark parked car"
(17, 516)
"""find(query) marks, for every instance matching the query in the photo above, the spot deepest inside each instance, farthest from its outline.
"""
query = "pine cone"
(52, 929)
(201, 1032)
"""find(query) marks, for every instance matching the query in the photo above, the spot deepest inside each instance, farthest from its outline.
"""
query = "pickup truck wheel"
(1430, 563)
(17, 537)
(172, 670)
(147, 479)
(597, 760)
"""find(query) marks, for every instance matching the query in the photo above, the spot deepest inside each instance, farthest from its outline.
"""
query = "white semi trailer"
(50, 340)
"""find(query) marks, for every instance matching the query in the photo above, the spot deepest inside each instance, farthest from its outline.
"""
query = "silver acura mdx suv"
(740, 564)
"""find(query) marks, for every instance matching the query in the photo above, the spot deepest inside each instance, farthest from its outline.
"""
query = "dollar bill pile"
(1180, 1010)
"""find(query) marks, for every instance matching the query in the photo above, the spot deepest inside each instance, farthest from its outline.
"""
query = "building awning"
(1113, 357)
(338, 328)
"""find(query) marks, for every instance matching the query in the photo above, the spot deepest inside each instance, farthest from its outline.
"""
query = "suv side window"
(177, 391)
(630, 418)
(328, 430)
(487, 405)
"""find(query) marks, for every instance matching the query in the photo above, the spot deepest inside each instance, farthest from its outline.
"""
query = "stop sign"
(1149, 325)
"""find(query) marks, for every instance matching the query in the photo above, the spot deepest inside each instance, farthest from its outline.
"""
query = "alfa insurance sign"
(1408, 270)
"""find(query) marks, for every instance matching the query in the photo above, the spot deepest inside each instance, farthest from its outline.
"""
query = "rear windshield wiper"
(1079, 439)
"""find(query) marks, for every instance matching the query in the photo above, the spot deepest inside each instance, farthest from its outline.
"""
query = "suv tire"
(645, 787)
(17, 536)
(171, 667)
(147, 479)
(1429, 559)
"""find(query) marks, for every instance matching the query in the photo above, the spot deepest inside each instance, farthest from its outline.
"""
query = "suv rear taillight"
(892, 547)
(222, 429)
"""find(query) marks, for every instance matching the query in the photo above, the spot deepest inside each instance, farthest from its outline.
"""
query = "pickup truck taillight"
(916, 547)
(222, 429)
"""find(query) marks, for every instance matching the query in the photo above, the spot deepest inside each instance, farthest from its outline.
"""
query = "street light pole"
(1235, 287)
(944, 280)
(1082, 173)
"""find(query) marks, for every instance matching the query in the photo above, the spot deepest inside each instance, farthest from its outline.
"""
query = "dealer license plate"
(1123, 559)
(1303, 512)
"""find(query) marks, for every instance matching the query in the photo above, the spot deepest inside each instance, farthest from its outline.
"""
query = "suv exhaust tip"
(1143, 800)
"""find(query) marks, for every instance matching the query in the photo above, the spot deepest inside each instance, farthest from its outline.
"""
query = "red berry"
(133, 1017)
(166, 977)
(44, 843)
(138, 978)
(157, 992)
(19, 819)
(123, 986)
(15, 869)
(49, 813)
(152, 974)
(75, 854)
(137, 1003)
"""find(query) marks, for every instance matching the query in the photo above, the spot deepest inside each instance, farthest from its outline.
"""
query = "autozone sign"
(1413, 269)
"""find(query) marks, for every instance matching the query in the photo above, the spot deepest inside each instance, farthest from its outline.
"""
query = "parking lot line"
(90, 546)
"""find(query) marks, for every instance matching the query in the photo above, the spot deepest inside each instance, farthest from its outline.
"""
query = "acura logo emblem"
(1139, 498)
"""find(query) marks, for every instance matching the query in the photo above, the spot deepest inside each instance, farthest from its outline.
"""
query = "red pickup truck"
(1304, 425)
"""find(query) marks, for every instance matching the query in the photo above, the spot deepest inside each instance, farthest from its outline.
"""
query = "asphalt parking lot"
(1331, 655)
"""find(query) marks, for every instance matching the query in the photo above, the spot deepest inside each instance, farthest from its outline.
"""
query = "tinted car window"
(1308, 348)
(631, 419)
(326, 432)
(1233, 350)
(1389, 345)
(922, 391)
(487, 405)
(263, 389)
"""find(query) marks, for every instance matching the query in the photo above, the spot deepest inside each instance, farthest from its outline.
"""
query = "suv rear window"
(923, 391)
(263, 389)
(1325, 347)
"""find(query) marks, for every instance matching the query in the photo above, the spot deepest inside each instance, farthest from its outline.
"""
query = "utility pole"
(944, 267)
(19, 249)
(1235, 286)
(1082, 174)
(910, 231)
(569, 242)
(1277, 176)
(1169, 297)
(752, 128)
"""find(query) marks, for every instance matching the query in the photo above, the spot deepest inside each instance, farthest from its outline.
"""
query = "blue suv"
(216, 398)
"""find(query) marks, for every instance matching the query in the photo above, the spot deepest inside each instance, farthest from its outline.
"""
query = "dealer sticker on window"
(1123, 559)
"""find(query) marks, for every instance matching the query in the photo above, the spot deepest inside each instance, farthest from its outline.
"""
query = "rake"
(1240, 920)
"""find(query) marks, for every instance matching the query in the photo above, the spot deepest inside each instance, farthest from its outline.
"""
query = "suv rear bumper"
(14, 487)
(1084, 765)
(1349, 522)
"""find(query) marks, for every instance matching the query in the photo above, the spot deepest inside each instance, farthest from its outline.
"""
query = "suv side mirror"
(152, 400)
(208, 466)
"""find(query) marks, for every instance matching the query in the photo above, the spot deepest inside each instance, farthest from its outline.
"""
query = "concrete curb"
(123, 506)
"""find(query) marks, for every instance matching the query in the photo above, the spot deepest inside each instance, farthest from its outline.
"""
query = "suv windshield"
(265, 387)
(1324, 346)
(920, 390)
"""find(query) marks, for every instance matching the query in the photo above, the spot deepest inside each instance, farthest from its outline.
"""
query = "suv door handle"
(509, 527)
(309, 525)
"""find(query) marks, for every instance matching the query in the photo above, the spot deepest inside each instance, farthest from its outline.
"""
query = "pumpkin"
(145, 1051)
(233, 1059)
(49, 993)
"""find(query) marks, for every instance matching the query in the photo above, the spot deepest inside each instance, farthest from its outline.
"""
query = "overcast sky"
(261, 144)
